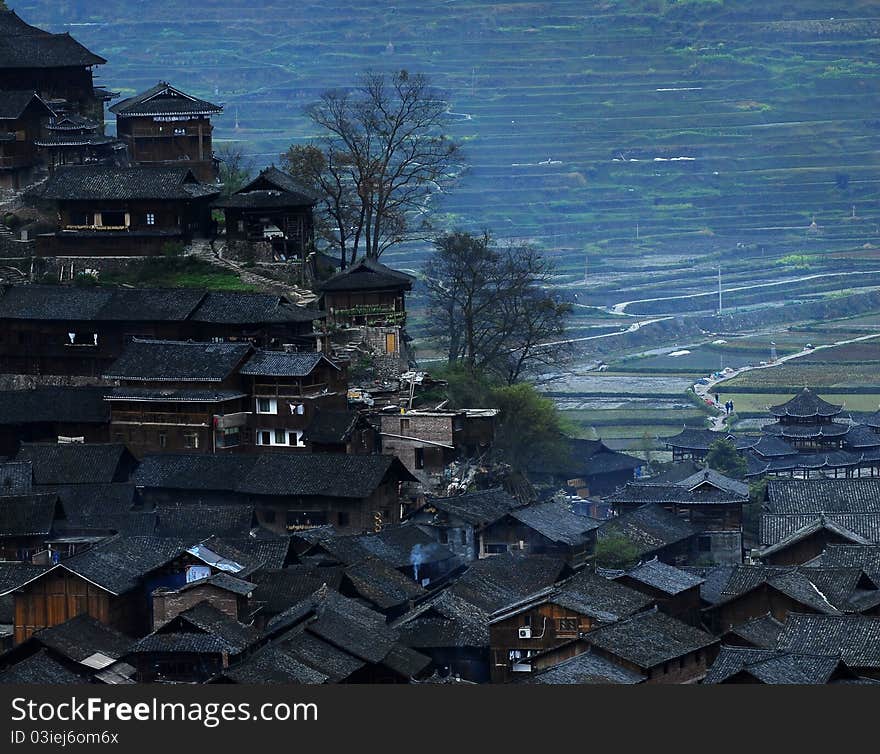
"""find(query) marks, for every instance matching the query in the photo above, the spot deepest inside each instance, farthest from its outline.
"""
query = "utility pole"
(719, 290)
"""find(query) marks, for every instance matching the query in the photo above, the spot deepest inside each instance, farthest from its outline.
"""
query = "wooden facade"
(20, 127)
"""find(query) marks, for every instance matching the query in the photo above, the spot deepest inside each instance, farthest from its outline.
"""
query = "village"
(208, 486)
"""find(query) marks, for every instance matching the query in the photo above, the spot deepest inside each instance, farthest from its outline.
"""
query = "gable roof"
(771, 666)
(265, 363)
(557, 522)
(287, 474)
(240, 308)
(584, 668)
(27, 515)
(598, 597)
(203, 520)
(54, 404)
(650, 528)
(272, 665)
(381, 584)
(271, 188)
(853, 638)
(445, 620)
(860, 495)
(477, 508)
(75, 463)
(177, 361)
(40, 668)
(14, 103)
(663, 577)
(583, 457)
(649, 639)
(762, 632)
(111, 183)
(498, 581)
(82, 637)
(367, 275)
(95, 505)
(163, 99)
(865, 557)
(781, 532)
(208, 619)
(278, 589)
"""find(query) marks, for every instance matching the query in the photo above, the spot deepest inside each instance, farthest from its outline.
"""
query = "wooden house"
(23, 116)
(272, 209)
(850, 638)
(27, 523)
(72, 139)
(587, 468)
(56, 66)
(75, 330)
(676, 592)
(138, 210)
(165, 126)
(289, 491)
(179, 396)
(286, 390)
(333, 431)
(773, 667)
(654, 532)
(554, 617)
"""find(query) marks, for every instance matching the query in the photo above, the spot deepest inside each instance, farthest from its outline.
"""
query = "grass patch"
(174, 272)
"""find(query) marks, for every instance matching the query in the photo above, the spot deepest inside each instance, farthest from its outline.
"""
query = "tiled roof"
(649, 639)
(16, 477)
(163, 99)
(173, 395)
(286, 474)
(807, 431)
(234, 307)
(599, 598)
(209, 619)
(478, 508)
(51, 404)
(806, 404)
(40, 668)
(781, 531)
(177, 361)
(641, 493)
(583, 457)
(771, 666)
(443, 621)
(865, 557)
(762, 632)
(770, 446)
(824, 496)
(584, 668)
(272, 178)
(93, 505)
(279, 589)
(395, 545)
(81, 637)
(701, 439)
(381, 584)
(14, 103)
(853, 638)
(26, 46)
(368, 274)
(333, 663)
(650, 528)
(664, 577)
(27, 515)
(199, 520)
(13, 574)
(272, 665)
(109, 183)
(267, 199)
(860, 436)
(284, 363)
(557, 522)
(496, 582)
(74, 463)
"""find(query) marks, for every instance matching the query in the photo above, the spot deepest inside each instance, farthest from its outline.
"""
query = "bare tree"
(384, 154)
(493, 308)
(236, 168)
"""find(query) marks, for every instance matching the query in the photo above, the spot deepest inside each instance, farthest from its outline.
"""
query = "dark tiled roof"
(478, 508)
(496, 582)
(81, 637)
(186, 642)
(650, 528)
(599, 598)
(177, 361)
(97, 506)
(78, 304)
(271, 665)
(779, 532)
(771, 666)
(806, 404)
(367, 275)
(284, 364)
(14, 103)
(585, 668)
(14, 574)
(648, 639)
(701, 439)
(381, 584)
(233, 307)
(715, 580)
(678, 494)
(26, 46)
(770, 446)
(74, 463)
(333, 663)
(444, 621)
(74, 405)
(108, 183)
(16, 477)
(865, 557)
(287, 474)
(207, 618)
(395, 545)
(261, 548)
(39, 668)
(824, 496)
(585, 458)
(163, 99)
(175, 395)
(272, 178)
(801, 431)
(196, 520)
(664, 577)
(860, 436)
(279, 589)
(27, 515)
(557, 522)
(266, 199)
(762, 632)
(853, 638)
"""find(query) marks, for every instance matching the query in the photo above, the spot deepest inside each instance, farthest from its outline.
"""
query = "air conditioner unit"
(525, 632)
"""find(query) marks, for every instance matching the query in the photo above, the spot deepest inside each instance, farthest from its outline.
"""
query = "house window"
(280, 437)
(180, 132)
(305, 519)
(419, 457)
(568, 625)
(264, 437)
(267, 406)
(296, 439)
(151, 218)
(229, 437)
(163, 439)
(113, 218)
(297, 408)
(191, 440)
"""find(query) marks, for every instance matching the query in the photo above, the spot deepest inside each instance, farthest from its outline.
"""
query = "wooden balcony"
(161, 418)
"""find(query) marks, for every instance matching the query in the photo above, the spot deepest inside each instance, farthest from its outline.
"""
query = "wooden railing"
(161, 417)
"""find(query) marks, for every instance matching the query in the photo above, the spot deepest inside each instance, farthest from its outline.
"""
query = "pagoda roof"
(164, 99)
(691, 438)
(368, 274)
(804, 405)
(14, 103)
(807, 431)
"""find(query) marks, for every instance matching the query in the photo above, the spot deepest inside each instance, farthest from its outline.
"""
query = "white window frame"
(273, 406)
(151, 218)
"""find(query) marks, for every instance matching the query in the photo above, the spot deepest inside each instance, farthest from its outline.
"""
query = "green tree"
(723, 457)
(616, 551)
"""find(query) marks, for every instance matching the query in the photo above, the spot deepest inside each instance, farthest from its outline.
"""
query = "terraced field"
(644, 144)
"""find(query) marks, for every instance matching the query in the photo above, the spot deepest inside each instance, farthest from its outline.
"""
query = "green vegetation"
(723, 457)
(616, 552)
(176, 272)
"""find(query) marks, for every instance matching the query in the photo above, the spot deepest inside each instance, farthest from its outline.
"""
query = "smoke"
(416, 557)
